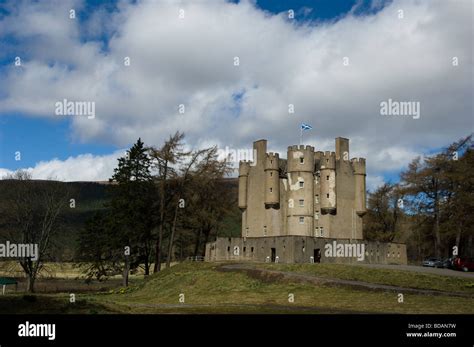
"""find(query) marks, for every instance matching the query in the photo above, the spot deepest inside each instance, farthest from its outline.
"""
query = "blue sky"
(43, 139)
(228, 107)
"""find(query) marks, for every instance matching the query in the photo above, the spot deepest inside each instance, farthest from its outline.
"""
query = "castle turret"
(358, 164)
(301, 190)
(244, 168)
(272, 180)
(328, 182)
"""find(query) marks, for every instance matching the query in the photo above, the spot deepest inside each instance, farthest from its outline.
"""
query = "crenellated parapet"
(300, 158)
(328, 160)
(358, 165)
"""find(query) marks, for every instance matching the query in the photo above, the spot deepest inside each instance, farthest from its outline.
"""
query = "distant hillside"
(91, 197)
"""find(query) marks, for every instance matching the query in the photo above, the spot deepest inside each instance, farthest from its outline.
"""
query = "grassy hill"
(208, 288)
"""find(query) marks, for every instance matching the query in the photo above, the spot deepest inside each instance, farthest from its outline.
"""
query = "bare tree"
(32, 217)
(164, 159)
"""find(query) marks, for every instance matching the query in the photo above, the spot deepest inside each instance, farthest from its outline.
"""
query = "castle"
(293, 208)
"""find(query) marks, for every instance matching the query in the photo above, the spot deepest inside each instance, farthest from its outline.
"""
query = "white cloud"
(373, 182)
(84, 167)
(190, 61)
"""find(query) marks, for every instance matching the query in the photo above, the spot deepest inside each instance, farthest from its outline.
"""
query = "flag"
(306, 126)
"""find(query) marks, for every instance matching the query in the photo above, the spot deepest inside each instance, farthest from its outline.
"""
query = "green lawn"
(208, 290)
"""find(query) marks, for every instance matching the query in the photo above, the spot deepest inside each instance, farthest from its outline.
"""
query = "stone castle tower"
(311, 193)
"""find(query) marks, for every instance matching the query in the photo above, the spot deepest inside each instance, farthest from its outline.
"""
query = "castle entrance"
(317, 255)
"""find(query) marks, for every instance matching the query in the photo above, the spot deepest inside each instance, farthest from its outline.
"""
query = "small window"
(271, 161)
(245, 248)
(327, 160)
(316, 199)
(228, 249)
(321, 233)
(271, 173)
(271, 190)
(301, 184)
(316, 215)
(327, 195)
(251, 249)
(301, 160)
(301, 202)
(327, 178)
(264, 230)
(301, 220)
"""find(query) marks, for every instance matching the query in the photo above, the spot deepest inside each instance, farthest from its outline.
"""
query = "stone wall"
(303, 249)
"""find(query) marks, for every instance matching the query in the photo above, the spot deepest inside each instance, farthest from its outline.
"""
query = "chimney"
(260, 147)
(342, 147)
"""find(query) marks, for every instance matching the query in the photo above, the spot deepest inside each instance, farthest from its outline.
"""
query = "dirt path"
(272, 276)
(422, 269)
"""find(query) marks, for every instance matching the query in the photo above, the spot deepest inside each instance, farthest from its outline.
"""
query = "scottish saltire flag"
(306, 126)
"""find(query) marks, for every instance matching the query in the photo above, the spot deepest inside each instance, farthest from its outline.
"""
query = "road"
(423, 269)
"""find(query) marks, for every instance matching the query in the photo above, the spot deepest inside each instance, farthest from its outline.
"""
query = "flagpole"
(301, 135)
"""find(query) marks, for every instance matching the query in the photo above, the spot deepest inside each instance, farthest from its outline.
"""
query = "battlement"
(272, 161)
(358, 164)
(300, 158)
(244, 167)
(328, 160)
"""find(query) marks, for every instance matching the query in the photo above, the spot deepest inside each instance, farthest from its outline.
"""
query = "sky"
(334, 61)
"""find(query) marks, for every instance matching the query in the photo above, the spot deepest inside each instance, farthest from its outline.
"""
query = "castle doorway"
(273, 255)
(317, 255)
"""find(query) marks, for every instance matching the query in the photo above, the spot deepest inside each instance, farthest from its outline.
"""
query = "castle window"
(327, 178)
(271, 190)
(271, 173)
(301, 220)
(301, 202)
(316, 215)
(301, 160)
(271, 161)
(251, 249)
(264, 230)
(321, 233)
(228, 249)
(301, 184)
(316, 199)
(327, 160)
(327, 195)
(245, 248)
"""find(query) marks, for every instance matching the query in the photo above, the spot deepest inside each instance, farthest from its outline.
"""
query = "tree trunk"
(30, 285)
(436, 226)
(173, 230)
(147, 268)
(157, 267)
(207, 232)
(126, 271)
(198, 241)
(469, 245)
(458, 238)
